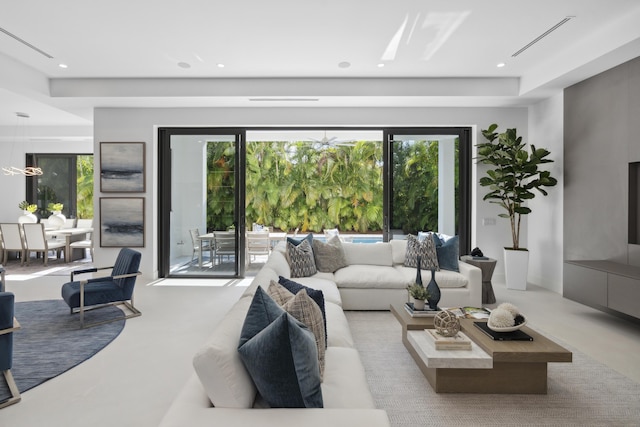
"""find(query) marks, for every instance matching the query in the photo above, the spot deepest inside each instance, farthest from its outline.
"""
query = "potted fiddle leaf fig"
(514, 178)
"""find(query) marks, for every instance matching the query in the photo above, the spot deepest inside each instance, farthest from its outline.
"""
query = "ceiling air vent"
(26, 43)
(543, 35)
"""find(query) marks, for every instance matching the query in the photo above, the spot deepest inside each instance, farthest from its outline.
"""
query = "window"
(66, 179)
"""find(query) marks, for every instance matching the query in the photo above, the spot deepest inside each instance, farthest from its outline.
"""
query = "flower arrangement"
(26, 206)
(55, 207)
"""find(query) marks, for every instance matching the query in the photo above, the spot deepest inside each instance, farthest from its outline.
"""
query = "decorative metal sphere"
(446, 323)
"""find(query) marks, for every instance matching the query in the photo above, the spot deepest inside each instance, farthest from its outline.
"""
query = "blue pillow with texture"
(282, 361)
(314, 294)
(262, 312)
(295, 241)
(448, 253)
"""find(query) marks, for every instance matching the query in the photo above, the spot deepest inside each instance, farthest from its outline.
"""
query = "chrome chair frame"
(11, 383)
(82, 309)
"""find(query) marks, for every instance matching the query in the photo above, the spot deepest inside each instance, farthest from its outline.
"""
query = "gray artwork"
(122, 167)
(122, 222)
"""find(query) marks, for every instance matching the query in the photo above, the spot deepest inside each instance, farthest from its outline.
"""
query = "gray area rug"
(51, 342)
(582, 393)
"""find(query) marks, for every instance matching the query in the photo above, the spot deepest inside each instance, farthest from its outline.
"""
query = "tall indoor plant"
(515, 173)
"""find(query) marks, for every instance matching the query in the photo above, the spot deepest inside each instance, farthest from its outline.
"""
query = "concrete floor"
(134, 379)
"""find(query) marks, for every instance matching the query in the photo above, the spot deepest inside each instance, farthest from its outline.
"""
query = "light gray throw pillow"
(329, 256)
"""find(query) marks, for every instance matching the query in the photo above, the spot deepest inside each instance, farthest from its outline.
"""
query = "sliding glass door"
(298, 181)
(201, 194)
(427, 184)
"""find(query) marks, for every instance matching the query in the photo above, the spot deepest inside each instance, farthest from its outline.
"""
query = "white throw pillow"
(218, 364)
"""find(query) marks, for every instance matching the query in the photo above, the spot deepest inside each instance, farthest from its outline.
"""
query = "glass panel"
(425, 184)
(307, 181)
(203, 217)
(84, 192)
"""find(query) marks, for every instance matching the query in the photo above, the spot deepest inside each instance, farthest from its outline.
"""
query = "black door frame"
(164, 179)
(164, 194)
(464, 167)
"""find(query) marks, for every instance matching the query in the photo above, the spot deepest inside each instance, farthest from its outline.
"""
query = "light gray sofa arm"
(474, 278)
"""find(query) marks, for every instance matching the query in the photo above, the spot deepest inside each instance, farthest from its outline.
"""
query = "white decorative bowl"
(508, 328)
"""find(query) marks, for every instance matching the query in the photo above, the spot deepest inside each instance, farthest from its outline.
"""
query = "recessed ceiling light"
(344, 64)
(63, 66)
(500, 65)
(220, 65)
(184, 65)
(380, 65)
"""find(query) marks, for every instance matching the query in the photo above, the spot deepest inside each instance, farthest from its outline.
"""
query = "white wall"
(12, 188)
(130, 124)
(545, 223)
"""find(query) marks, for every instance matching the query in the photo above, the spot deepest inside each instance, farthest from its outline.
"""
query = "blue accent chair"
(8, 325)
(116, 289)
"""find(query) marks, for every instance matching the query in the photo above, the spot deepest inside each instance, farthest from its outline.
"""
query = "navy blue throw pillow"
(295, 241)
(282, 361)
(448, 254)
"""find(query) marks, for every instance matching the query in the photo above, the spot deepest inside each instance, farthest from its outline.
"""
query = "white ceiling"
(289, 53)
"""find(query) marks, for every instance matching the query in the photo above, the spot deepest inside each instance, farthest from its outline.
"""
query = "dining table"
(207, 237)
(70, 235)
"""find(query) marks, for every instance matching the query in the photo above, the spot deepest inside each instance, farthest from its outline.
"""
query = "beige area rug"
(581, 393)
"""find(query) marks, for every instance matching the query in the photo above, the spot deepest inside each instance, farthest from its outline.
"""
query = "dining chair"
(12, 240)
(200, 245)
(83, 244)
(85, 223)
(258, 243)
(35, 240)
(225, 244)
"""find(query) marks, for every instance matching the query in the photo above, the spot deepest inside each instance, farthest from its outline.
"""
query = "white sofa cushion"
(338, 332)
(219, 367)
(370, 276)
(398, 250)
(444, 278)
(368, 253)
(278, 262)
(264, 277)
(345, 384)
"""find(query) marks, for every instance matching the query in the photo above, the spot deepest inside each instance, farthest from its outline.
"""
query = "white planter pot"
(57, 220)
(418, 304)
(516, 268)
(27, 217)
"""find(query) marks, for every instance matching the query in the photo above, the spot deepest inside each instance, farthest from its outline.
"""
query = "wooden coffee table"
(518, 366)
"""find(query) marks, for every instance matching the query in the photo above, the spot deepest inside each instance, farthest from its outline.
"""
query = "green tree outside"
(293, 185)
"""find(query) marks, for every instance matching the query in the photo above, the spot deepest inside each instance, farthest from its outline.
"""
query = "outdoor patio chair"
(116, 289)
(8, 325)
(12, 240)
(199, 245)
(225, 244)
(257, 244)
(35, 240)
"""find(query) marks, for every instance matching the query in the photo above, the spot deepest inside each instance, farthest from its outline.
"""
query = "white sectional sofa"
(221, 391)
